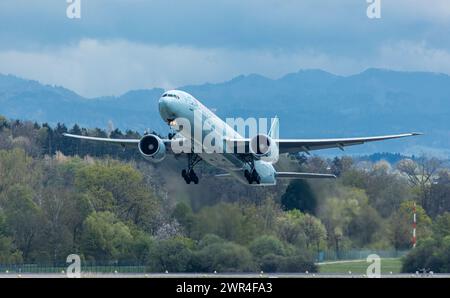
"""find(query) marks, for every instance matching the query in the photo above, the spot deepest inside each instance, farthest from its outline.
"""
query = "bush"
(270, 263)
(265, 245)
(430, 254)
(173, 255)
(297, 263)
(294, 263)
(223, 257)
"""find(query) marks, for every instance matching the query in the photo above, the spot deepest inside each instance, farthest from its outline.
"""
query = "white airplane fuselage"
(183, 105)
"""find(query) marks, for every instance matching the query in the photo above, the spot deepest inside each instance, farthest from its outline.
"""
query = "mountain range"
(310, 104)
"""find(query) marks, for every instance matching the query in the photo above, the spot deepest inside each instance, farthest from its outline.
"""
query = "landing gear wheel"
(194, 177)
(186, 177)
(189, 174)
(252, 177)
(255, 177)
(248, 176)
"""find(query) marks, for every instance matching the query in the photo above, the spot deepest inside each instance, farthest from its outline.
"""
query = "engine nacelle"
(263, 147)
(152, 148)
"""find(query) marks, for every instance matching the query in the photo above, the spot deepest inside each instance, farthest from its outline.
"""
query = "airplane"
(250, 160)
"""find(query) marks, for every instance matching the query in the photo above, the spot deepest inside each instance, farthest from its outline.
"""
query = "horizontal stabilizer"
(296, 175)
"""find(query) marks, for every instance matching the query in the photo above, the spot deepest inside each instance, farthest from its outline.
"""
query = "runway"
(209, 275)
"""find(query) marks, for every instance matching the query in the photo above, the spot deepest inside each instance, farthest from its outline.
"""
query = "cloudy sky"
(119, 45)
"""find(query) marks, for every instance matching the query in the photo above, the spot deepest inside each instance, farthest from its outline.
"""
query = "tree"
(338, 212)
(341, 165)
(421, 175)
(314, 230)
(289, 227)
(118, 188)
(8, 252)
(230, 221)
(265, 245)
(299, 195)
(16, 167)
(3, 122)
(441, 226)
(105, 238)
(440, 194)
(364, 227)
(401, 225)
(184, 215)
(24, 218)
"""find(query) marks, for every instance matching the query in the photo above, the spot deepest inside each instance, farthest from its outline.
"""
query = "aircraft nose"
(165, 109)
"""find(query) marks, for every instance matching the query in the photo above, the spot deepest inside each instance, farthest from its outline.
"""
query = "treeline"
(39, 140)
(56, 199)
(105, 212)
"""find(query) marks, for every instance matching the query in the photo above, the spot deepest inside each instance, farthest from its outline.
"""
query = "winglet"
(274, 131)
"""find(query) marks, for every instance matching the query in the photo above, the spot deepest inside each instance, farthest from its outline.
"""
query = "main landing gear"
(188, 174)
(252, 176)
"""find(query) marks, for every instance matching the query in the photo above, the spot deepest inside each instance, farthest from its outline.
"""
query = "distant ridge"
(310, 103)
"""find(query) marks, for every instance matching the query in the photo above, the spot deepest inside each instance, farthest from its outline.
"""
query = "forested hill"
(60, 196)
(310, 103)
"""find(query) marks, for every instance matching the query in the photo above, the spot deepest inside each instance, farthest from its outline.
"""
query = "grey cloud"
(288, 24)
(95, 68)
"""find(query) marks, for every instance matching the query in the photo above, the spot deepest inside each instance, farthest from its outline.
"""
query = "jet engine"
(263, 147)
(152, 148)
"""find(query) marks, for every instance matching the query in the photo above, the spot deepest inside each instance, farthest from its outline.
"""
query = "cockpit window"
(170, 95)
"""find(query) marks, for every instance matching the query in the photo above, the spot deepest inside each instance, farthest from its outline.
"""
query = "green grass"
(388, 265)
(32, 268)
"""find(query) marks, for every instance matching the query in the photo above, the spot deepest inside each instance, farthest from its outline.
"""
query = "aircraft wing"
(306, 145)
(123, 142)
(117, 141)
